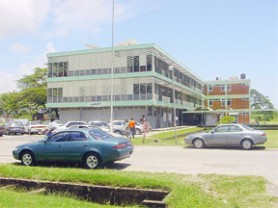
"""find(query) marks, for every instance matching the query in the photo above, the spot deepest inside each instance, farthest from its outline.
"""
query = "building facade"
(120, 83)
(229, 97)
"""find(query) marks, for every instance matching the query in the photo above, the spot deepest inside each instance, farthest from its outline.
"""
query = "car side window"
(76, 136)
(221, 129)
(59, 137)
(235, 129)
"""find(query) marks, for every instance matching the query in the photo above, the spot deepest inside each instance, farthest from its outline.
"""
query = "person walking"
(131, 126)
(146, 127)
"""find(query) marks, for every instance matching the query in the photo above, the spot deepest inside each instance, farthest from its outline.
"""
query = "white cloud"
(20, 48)
(17, 16)
(8, 81)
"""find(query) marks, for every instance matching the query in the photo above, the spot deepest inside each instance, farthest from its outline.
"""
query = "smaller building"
(229, 97)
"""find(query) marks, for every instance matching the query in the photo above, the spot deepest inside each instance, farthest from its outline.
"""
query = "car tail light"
(263, 134)
(119, 146)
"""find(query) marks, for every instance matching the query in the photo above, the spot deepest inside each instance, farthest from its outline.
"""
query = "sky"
(212, 38)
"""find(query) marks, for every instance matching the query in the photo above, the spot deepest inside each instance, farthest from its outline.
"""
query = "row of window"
(223, 87)
(163, 68)
(223, 101)
(61, 69)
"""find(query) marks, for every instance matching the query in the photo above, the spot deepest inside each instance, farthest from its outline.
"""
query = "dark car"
(1, 130)
(91, 147)
(14, 127)
(228, 135)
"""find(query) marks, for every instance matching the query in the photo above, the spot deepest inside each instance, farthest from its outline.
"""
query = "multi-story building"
(229, 97)
(119, 83)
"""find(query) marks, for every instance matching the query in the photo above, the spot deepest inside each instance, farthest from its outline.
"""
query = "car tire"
(27, 158)
(137, 131)
(91, 160)
(198, 143)
(247, 144)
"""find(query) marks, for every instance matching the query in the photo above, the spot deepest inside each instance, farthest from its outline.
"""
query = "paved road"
(184, 160)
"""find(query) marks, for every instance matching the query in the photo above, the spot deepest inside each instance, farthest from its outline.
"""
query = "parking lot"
(183, 160)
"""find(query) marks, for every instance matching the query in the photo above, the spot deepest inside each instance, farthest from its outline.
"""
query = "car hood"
(30, 144)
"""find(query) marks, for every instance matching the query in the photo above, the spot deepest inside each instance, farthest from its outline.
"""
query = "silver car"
(228, 135)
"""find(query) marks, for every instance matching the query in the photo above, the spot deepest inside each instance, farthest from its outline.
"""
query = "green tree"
(260, 102)
(30, 99)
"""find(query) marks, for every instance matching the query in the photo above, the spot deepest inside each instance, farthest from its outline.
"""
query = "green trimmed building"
(145, 81)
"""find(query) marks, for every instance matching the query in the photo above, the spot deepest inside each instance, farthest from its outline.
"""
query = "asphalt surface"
(183, 160)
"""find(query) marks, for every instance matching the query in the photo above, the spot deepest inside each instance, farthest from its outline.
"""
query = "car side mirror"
(212, 131)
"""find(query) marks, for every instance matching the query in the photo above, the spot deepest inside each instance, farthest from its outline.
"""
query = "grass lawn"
(204, 190)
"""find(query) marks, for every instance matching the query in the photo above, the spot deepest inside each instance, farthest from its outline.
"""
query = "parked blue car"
(91, 147)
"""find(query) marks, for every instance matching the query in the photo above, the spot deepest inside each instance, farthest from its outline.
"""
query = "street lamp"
(171, 68)
(203, 108)
(112, 71)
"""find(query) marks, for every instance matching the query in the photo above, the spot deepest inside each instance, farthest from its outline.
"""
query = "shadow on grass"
(256, 148)
(112, 166)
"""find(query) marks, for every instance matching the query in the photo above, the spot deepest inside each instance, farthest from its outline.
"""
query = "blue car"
(91, 147)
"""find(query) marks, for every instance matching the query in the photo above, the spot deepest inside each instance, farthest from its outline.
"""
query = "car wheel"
(118, 132)
(198, 143)
(247, 144)
(91, 161)
(137, 131)
(27, 158)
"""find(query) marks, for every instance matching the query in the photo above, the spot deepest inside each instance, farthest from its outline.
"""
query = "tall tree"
(31, 97)
(259, 101)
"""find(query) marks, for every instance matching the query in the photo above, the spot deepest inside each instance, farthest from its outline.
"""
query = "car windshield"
(99, 134)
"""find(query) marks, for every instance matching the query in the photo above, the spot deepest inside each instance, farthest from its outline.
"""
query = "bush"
(227, 119)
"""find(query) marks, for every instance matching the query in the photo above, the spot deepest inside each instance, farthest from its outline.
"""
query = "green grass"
(185, 190)
(166, 138)
(272, 139)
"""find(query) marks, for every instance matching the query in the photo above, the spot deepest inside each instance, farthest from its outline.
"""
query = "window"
(222, 129)
(210, 102)
(59, 137)
(210, 88)
(76, 136)
(149, 62)
(235, 129)
(136, 63)
(58, 69)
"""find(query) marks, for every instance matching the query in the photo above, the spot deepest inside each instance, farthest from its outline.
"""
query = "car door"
(75, 146)
(218, 136)
(52, 148)
(235, 135)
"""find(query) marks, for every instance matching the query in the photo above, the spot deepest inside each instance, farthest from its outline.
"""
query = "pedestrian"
(146, 127)
(131, 126)
(142, 119)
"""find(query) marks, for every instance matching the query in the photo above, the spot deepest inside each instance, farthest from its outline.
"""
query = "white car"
(36, 127)
(71, 123)
(122, 124)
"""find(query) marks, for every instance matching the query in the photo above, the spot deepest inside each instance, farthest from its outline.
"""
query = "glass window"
(136, 63)
(149, 62)
(222, 129)
(76, 136)
(235, 129)
(59, 137)
(99, 134)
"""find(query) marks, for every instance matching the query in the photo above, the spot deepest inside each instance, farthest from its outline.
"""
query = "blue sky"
(213, 38)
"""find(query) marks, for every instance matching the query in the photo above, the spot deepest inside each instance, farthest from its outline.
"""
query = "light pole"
(112, 72)
(203, 107)
(171, 68)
